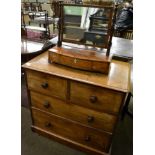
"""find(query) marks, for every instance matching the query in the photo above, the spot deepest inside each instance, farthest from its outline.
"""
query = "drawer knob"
(48, 124)
(44, 85)
(46, 104)
(90, 119)
(87, 139)
(93, 99)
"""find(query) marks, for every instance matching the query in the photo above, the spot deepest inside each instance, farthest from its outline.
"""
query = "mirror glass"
(86, 25)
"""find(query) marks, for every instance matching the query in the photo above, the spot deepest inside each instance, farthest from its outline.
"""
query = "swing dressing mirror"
(87, 24)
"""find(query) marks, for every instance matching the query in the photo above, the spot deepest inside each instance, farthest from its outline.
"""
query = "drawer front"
(47, 84)
(74, 112)
(97, 98)
(70, 61)
(71, 130)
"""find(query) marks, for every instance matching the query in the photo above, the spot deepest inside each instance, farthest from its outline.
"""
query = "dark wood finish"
(105, 4)
(122, 48)
(88, 117)
(60, 28)
(84, 135)
(81, 59)
(55, 7)
(31, 49)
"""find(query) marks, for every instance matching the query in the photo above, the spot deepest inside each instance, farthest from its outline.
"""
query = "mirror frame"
(110, 31)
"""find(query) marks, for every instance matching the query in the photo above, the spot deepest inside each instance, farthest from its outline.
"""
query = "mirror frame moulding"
(110, 30)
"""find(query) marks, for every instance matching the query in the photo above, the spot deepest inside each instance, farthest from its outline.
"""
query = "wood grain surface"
(78, 108)
(118, 77)
(82, 59)
(47, 84)
(104, 99)
(72, 130)
(88, 117)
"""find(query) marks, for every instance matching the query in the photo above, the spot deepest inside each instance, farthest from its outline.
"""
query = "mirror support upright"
(59, 43)
(112, 30)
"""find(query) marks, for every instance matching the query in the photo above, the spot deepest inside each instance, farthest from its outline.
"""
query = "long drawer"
(96, 98)
(74, 112)
(47, 84)
(70, 130)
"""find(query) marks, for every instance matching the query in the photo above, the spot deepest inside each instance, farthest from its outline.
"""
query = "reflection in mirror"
(86, 25)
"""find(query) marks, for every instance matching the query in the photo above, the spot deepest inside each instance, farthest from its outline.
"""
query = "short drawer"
(70, 61)
(74, 112)
(47, 84)
(70, 130)
(96, 98)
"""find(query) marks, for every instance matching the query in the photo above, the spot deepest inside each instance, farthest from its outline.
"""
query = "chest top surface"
(117, 79)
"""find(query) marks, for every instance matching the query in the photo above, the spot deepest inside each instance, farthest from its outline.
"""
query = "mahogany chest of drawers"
(75, 107)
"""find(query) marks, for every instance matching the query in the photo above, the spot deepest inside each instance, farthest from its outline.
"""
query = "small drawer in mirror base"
(80, 59)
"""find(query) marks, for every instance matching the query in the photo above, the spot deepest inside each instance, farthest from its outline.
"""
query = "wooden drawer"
(69, 61)
(96, 98)
(80, 59)
(71, 130)
(74, 112)
(47, 84)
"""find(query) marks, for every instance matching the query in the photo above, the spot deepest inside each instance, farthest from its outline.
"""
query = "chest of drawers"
(75, 107)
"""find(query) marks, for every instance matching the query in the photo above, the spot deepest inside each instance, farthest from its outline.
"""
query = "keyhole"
(75, 60)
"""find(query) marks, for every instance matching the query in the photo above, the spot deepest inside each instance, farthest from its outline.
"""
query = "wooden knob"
(93, 99)
(46, 104)
(90, 119)
(87, 139)
(48, 124)
(44, 85)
